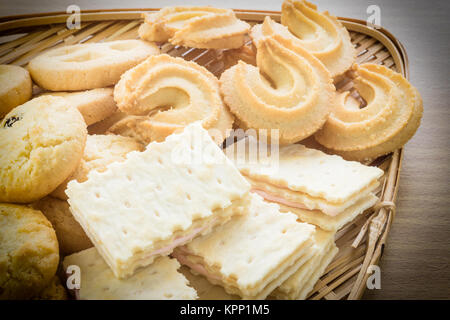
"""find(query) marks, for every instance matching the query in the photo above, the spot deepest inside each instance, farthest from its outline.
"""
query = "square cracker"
(333, 223)
(136, 209)
(253, 253)
(305, 170)
(161, 280)
(300, 284)
(301, 200)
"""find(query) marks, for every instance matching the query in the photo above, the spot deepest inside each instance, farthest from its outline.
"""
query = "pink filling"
(328, 210)
(179, 255)
(181, 240)
(281, 200)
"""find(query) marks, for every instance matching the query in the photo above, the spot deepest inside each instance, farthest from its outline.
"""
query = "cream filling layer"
(123, 268)
(301, 200)
(290, 289)
(261, 289)
(332, 223)
(300, 284)
(182, 256)
(181, 240)
(315, 276)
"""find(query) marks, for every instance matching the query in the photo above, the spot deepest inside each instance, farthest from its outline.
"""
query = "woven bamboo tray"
(361, 242)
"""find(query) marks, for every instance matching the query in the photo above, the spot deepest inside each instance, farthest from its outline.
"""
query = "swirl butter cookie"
(28, 252)
(320, 33)
(289, 90)
(88, 66)
(197, 27)
(94, 105)
(15, 87)
(164, 94)
(99, 152)
(41, 144)
(71, 237)
(390, 118)
(333, 47)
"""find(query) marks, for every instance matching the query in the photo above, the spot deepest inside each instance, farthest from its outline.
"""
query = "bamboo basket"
(362, 241)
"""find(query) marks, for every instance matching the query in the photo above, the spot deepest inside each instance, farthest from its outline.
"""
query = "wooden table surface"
(415, 264)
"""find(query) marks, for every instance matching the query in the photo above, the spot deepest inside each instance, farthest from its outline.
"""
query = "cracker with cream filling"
(252, 254)
(157, 199)
(314, 179)
(300, 284)
(332, 223)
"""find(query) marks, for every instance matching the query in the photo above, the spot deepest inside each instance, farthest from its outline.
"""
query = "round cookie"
(390, 118)
(54, 291)
(100, 151)
(194, 26)
(94, 105)
(41, 144)
(28, 252)
(288, 95)
(88, 65)
(192, 92)
(71, 237)
(15, 87)
(320, 33)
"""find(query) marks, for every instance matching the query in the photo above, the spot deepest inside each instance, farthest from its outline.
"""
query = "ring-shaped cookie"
(197, 27)
(319, 33)
(88, 66)
(391, 117)
(289, 90)
(94, 105)
(164, 94)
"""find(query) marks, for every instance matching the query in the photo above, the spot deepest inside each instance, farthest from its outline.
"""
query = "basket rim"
(8, 24)
(35, 19)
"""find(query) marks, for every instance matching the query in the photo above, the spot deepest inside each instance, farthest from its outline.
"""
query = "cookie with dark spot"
(41, 144)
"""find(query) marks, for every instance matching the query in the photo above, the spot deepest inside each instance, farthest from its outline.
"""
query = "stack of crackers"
(190, 202)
